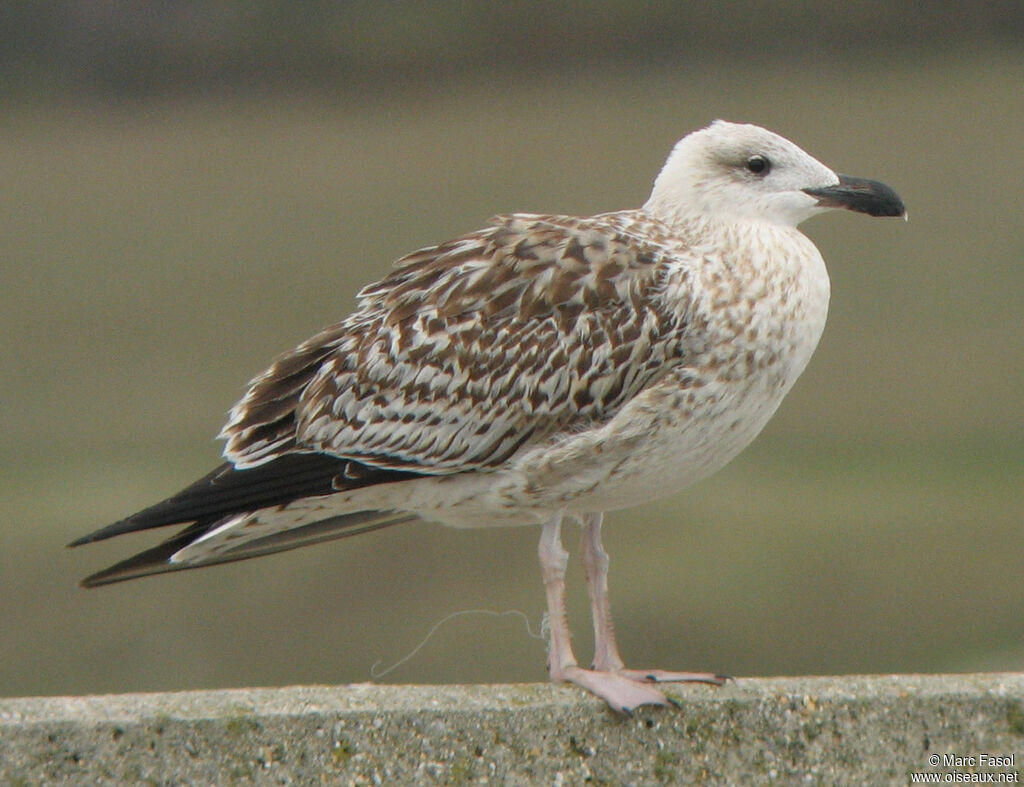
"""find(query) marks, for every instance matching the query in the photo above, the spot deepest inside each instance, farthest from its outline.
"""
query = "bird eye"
(759, 165)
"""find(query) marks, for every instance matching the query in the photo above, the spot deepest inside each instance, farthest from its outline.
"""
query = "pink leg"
(606, 649)
(620, 692)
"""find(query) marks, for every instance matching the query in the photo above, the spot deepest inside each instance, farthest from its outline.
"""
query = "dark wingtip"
(155, 560)
(226, 491)
(124, 571)
(116, 529)
(107, 577)
(83, 540)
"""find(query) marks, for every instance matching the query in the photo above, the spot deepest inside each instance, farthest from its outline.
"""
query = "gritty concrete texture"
(848, 730)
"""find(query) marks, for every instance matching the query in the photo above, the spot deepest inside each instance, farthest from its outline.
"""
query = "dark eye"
(759, 165)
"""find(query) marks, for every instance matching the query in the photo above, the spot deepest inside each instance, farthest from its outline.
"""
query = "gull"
(541, 370)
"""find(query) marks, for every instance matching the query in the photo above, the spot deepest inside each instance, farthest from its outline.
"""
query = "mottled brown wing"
(468, 350)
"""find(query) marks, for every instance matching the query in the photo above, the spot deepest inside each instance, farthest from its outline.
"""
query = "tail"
(239, 514)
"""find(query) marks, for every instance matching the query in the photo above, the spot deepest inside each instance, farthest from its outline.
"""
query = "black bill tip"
(861, 195)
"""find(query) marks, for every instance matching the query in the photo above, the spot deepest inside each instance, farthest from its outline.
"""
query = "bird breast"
(754, 316)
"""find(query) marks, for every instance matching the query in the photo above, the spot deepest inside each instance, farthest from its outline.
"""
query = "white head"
(741, 172)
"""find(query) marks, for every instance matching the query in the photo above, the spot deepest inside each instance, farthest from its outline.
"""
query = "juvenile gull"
(541, 369)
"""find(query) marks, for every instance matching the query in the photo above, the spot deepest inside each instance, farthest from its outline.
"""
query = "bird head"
(742, 172)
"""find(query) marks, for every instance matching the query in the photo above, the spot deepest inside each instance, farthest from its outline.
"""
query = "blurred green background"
(187, 189)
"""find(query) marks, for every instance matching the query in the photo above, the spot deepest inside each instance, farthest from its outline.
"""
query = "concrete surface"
(847, 730)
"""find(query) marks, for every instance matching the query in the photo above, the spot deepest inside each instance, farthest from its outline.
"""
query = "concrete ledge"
(848, 730)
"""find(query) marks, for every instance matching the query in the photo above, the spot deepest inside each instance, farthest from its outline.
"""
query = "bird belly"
(689, 439)
(671, 436)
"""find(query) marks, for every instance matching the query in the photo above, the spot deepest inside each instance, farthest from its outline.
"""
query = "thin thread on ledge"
(541, 634)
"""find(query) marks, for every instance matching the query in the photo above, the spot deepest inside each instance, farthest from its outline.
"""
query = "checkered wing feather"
(473, 348)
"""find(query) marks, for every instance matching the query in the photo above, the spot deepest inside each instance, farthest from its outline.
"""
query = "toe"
(622, 694)
(666, 676)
